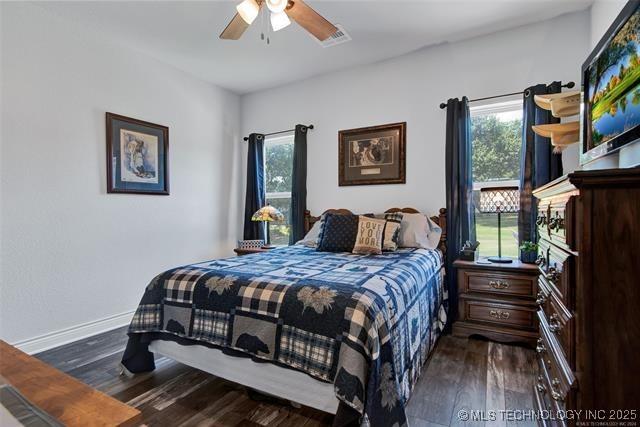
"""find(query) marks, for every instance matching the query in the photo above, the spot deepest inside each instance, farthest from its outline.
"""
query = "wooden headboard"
(440, 219)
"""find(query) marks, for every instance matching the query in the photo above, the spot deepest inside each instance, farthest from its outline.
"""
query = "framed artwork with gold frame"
(372, 155)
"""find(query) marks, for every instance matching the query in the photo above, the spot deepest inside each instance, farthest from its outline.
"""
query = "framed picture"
(137, 156)
(372, 155)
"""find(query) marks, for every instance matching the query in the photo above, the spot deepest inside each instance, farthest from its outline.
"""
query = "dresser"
(497, 301)
(588, 349)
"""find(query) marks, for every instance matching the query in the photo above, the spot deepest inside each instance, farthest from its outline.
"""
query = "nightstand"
(241, 252)
(497, 301)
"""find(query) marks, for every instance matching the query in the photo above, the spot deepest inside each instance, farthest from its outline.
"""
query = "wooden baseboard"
(74, 333)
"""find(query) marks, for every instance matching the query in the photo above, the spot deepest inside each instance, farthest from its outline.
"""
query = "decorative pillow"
(311, 238)
(392, 231)
(370, 236)
(338, 233)
(418, 231)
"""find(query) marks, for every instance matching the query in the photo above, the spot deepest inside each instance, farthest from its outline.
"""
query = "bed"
(346, 334)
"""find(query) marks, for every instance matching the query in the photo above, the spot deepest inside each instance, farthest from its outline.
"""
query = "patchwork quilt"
(365, 323)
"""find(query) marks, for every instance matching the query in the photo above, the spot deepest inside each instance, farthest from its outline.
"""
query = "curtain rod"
(246, 138)
(443, 105)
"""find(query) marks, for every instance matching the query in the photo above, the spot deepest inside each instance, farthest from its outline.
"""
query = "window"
(278, 170)
(496, 136)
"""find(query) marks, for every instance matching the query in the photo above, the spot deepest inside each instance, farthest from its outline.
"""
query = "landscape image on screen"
(614, 84)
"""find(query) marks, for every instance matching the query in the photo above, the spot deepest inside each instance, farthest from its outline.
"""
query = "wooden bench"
(70, 401)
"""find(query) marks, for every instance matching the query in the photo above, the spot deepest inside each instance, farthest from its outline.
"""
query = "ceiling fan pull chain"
(261, 24)
(268, 32)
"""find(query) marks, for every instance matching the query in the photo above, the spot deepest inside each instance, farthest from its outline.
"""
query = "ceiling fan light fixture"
(279, 21)
(248, 10)
(277, 6)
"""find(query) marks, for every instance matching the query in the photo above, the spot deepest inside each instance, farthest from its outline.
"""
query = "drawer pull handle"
(541, 260)
(554, 323)
(553, 276)
(541, 388)
(540, 298)
(556, 223)
(555, 383)
(540, 348)
(499, 314)
(498, 284)
(541, 220)
(556, 396)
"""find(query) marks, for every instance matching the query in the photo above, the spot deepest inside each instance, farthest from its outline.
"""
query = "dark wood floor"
(461, 374)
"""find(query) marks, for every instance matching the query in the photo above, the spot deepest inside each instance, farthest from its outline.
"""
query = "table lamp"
(267, 214)
(499, 200)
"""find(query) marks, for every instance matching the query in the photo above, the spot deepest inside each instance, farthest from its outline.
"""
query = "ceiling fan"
(281, 11)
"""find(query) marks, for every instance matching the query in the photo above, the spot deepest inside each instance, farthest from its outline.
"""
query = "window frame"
(276, 140)
(508, 104)
(282, 139)
(512, 103)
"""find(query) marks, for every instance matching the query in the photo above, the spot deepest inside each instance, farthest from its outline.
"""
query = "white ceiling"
(185, 33)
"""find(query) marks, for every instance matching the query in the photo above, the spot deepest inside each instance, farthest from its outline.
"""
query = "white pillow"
(419, 231)
(311, 239)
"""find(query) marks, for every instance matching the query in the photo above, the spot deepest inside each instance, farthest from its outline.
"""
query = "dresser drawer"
(540, 401)
(556, 367)
(542, 219)
(547, 399)
(561, 222)
(558, 268)
(557, 316)
(517, 285)
(503, 314)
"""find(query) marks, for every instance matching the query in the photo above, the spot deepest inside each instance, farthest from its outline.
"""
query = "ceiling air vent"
(339, 37)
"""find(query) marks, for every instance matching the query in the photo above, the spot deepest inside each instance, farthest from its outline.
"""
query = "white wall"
(410, 88)
(70, 252)
(603, 12)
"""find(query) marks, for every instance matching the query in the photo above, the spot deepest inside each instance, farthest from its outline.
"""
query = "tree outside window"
(496, 135)
(278, 159)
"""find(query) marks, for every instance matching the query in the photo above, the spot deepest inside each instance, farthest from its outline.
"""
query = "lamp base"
(500, 260)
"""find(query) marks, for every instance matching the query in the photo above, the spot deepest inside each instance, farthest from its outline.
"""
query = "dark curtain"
(256, 195)
(538, 164)
(459, 185)
(299, 185)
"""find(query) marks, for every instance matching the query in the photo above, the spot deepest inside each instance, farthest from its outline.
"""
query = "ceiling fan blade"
(235, 29)
(310, 20)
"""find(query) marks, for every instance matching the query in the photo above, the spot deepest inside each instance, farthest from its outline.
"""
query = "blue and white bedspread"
(364, 323)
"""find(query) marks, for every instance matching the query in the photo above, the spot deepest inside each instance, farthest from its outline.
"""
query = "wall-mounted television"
(611, 85)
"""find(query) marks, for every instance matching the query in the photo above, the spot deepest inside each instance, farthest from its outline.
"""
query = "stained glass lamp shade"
(267, 214)
(499, 200)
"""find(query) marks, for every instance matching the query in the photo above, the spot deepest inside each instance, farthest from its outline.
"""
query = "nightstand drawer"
(498, 313)
(497, 301)
(499, 284)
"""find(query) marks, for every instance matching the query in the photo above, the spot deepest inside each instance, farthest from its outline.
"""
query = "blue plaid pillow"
(338, 233)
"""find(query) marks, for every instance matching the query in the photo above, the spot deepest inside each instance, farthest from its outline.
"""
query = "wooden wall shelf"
(561, 134)
(564, 104)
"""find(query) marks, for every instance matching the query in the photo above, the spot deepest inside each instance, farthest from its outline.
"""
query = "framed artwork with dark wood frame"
(372, 155)
(137, 156)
